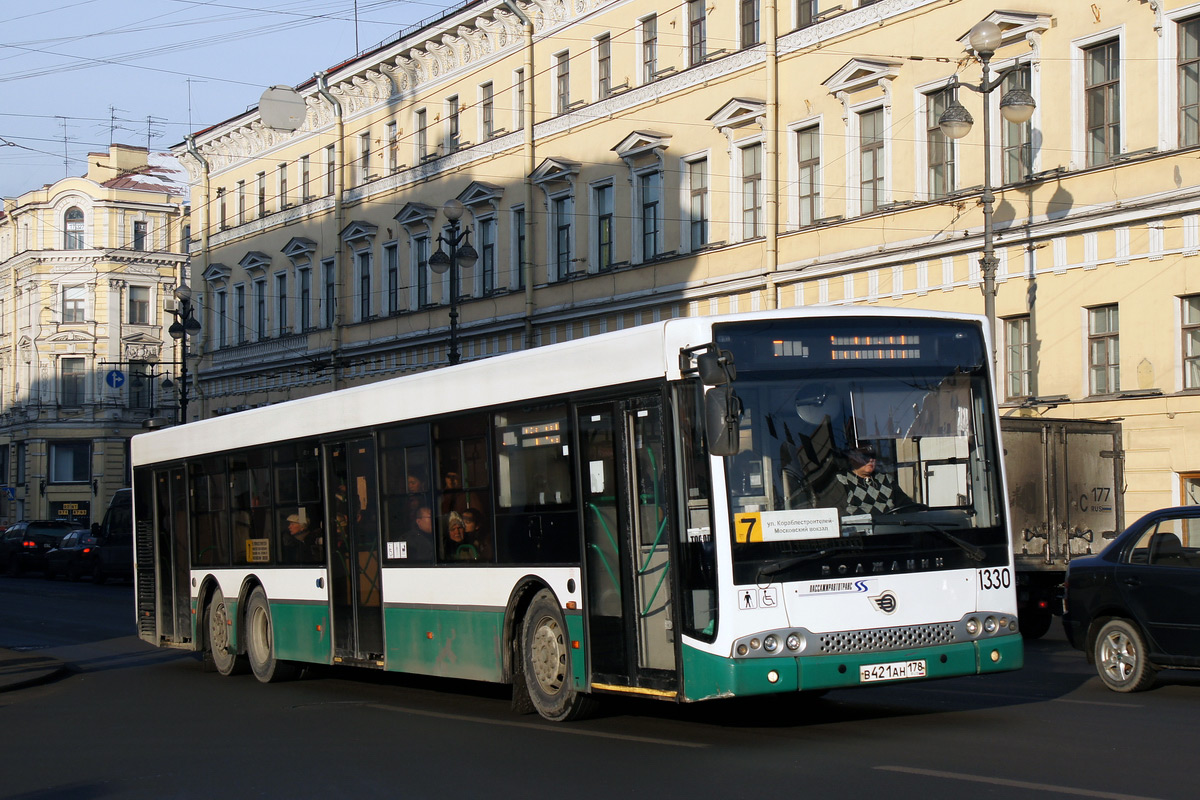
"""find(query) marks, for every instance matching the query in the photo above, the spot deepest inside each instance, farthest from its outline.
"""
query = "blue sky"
(77, 74)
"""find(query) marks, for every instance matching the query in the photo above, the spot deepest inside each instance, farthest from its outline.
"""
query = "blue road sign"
(115, 378)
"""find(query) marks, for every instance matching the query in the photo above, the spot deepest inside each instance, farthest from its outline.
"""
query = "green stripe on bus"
(300, 632)
(708, 676)
(445, 641)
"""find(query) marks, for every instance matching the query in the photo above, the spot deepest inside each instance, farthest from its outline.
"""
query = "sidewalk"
(19, 669)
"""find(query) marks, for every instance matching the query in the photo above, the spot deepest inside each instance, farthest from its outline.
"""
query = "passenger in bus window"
(420, 537)
(457, 546)
(452, 493)
(869, 491)
(302, 544)
(475, 534)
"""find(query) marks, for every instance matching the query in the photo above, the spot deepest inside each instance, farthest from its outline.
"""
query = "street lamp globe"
(183, 293)
(956, 121)
(439, 262)
(453, 209)
(1017, 106)
(984, 38)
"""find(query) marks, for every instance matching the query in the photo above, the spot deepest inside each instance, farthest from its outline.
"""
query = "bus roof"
(640, 353)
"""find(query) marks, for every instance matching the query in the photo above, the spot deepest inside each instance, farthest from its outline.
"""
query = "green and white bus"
(666, 511)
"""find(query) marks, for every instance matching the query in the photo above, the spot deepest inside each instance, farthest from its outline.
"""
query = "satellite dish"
(282, 108)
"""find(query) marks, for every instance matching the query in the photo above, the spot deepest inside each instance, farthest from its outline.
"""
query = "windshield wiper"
(782, 566)
(974, 552)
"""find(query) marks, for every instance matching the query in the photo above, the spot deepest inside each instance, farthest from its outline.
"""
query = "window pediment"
(359, 232)
(738, 113)
(415, 215)
(641, 143)
(555, 170)
(216, 274)
(299, 248)
(481, 194)
(255, 263)
(860, 73)
(1014, 26)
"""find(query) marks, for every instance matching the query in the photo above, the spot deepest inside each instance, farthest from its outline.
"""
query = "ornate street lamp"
(185, 325)
(461, 256)
(1016, 106)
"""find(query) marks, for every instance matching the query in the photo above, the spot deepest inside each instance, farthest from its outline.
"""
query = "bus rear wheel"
(546, 657)
(260, 645)
(217, 623)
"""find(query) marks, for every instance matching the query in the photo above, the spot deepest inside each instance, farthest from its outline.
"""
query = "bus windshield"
(866, 447)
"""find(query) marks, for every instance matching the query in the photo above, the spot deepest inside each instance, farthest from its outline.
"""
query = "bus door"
(627, 489)
(355, 578)
(163, 550)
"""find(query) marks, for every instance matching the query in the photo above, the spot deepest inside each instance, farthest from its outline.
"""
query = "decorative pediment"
(299, 248)
(641, 143)
(555, 170)
(255, 263)
(73, 337)
(861, 73)
(359, 231)
(216, 274)
(738, 113)
(1015, 26)
(416, 215)
(481, 194)
(141, 347)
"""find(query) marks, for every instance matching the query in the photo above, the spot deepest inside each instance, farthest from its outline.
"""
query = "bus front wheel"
(218, 624)
(546, 656)
(260, 644)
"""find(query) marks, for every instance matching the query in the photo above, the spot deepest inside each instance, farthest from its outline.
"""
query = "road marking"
(545, 728)
(1041, 787)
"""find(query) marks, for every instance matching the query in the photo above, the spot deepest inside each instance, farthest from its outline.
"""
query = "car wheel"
(224, 657)
(1035, 622)
(546, 656)
(1120, 656)
(260, 642)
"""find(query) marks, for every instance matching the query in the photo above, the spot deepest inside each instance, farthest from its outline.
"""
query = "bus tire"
(260, 642)
(217, 624)
(1121, 658)
(546, 662)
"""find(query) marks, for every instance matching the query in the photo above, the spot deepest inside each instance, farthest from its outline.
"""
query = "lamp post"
(461, 256)
(1016, 106)
(185, 325)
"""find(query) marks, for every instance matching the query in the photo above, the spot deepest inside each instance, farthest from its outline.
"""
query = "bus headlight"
(742, 649)
(755, 643)
(973, 626)
(794, 642)
(989, 625)
(771, 643)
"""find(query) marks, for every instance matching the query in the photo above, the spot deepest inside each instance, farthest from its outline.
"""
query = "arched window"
(74, 228)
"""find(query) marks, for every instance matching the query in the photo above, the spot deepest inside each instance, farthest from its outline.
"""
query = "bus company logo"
(839, 587)
(885, 602)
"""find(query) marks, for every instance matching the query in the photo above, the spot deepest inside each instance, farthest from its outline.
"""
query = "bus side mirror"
(722, 421)
(715, 367)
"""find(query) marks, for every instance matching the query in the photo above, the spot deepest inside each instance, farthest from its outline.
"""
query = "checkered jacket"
(874, 495)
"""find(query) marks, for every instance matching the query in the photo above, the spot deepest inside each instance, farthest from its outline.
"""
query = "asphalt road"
(129, 720)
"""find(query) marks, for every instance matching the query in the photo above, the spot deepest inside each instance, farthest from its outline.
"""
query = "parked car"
(74, 556)
(24, 546)
(113, 553)
(1135, 608)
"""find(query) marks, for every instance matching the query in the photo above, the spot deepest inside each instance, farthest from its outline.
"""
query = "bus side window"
(250, 507)
(210, 522)
(407, 495)
(463, 490)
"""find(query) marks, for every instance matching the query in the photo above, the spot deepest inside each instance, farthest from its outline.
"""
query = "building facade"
(87, 270)
(622, 162)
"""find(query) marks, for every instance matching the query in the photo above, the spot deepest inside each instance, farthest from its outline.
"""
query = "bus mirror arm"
(714, 366)
(722, 421)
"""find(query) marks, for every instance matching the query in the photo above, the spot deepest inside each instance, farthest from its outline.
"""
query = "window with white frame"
(806, 13)
(139, 305)
(281, 174)
(70, 462)
(754, 221)
(939, 148)
(241, 202)
(1188, 72)
(648, 27)
(221, 318)
(1018, 357)
(808, 173)
(602, 215)
(304, 279)
(1104, 350)
(329, 290)
(749, 14)
(421, 135)
(518, 85)
(420, 269)
(260, 309)
(487, 111)
(697, 31)
(520, 253)
(140, 227)
(698, 203)
(364, 157)
(603, 66)
(1102, 101)
(363, 261)
(72, 381)
(239, 312)
(74, 303)
(391, 265)
(260, 188)
(1191, 342)
(1016, 138)
(330, 169)
(485, 227)
(73, 225)
(562, 82)
(870, 159)
(305, 178)
(453, 130)
(561, 227)
(281, 303)
(393, 147)
(649, 189)
(141, 385)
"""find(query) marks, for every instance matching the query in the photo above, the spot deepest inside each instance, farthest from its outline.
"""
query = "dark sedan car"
(74, 557)
(25, 544)
(1135, 608)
